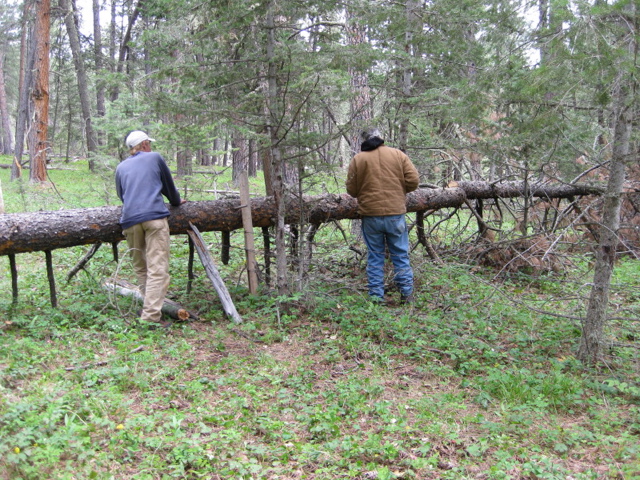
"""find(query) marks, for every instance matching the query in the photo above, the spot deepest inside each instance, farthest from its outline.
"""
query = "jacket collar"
(371, 144)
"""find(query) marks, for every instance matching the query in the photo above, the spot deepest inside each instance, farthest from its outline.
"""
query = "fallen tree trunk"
(169, 307)
(40, 231)
(483, 190)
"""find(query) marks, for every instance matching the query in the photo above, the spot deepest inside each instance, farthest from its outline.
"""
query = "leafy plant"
(477, 379)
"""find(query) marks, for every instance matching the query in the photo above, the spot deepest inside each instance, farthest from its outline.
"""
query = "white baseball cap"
(136, 137)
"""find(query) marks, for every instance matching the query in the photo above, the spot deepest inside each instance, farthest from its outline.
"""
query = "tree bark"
(413, 25)
(112, 37)
(99, 61)
(81, 77)
(38, 144)
(624, 111)
(7, 145)
(592, 340)
(27, 55)
(124, 47)
(184, 161)
(361, 110)
(239, 157)
(39, 231)
(274, 119)
(485, 190)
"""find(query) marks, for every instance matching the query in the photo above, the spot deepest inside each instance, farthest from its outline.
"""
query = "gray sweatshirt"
(141, 181)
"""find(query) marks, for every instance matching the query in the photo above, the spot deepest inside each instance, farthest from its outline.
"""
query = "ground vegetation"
(478, 379)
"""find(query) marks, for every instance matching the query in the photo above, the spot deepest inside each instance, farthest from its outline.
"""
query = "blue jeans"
(390, 231)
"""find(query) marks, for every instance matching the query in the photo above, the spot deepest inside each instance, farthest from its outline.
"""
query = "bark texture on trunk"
(27, 58)
(38, 143)
(99, 61)
(275, 109)
(39, 231)
(5, 117)
(81, 76)
(485, 190)
(623, 152)
(592, 341)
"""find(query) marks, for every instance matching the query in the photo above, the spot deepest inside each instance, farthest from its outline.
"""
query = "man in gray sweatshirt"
(141, 181)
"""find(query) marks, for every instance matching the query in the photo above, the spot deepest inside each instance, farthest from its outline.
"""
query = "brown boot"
(407, 300)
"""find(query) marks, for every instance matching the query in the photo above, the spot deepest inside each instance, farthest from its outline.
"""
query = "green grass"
(477, 380)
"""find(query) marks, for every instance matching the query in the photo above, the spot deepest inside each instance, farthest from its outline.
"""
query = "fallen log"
(483, 190)
(41, 231)
(169, 307)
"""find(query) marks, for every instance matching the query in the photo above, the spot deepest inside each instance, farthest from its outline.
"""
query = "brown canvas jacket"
(380, 179)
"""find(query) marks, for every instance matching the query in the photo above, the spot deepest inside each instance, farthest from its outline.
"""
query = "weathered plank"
(212, 272)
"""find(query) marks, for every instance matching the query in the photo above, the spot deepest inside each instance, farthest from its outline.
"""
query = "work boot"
(407, 299)
(376, 300)
(163, 324)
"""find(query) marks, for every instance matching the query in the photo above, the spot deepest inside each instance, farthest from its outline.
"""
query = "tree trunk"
(124, 47)
(361, 112)
(98, 59)
(485, 190)
(414, 24)
(225, 156)
(38, 143)
(239, 156)
(185, 162)
(216, 151)
(266, 171)
(81, 76)
(7, 145)
(204, 157)
(1, 201)
(253, 158)
(39, 231)
(58, 96)
(274, 111)
(624, 102)
(113, 37)
(27, 55)
(249, 247)
(592, 340)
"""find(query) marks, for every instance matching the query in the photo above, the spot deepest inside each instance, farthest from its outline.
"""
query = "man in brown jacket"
(380, 177)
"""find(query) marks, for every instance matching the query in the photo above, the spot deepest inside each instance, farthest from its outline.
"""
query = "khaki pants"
(149, 246)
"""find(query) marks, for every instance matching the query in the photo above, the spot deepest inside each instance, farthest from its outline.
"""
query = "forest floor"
(476, 380)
